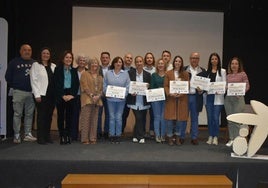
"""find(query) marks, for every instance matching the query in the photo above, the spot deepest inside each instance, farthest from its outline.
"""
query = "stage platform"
(30, 165)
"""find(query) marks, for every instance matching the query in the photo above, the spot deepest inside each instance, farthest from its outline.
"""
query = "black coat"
(59, 82)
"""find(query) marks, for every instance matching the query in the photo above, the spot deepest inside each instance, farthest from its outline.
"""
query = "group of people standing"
(79, 94)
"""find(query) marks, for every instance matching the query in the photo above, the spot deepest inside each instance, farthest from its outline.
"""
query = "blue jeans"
(159, 121)
(171, 130)
(194, 115)
(23, 101)
(115, 117)
(213, 116)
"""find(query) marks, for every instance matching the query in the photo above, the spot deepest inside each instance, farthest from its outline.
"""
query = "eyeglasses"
(194, 57)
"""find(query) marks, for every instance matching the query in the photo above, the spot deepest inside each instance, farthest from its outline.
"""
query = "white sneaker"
(230, 143)
(16, 140)
(158, 139)
(142, 141)
(215, 140)
(135, 140)
(209, 140)
(29, 138)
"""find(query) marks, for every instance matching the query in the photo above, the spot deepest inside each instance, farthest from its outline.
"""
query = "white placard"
(115, 92)
(177, 86)
(217, 88)
(3, 68)
(201, 82)
(236, 89)
(153, 95)
(138, 88)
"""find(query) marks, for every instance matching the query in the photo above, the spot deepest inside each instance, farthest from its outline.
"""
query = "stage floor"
(30, 165)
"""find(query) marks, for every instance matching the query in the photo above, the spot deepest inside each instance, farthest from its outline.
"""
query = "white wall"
(138, 31)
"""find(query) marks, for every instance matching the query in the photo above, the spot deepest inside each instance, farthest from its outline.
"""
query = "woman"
(81, 61)
(138, 103)
(116, 76)
(42, 82)
(176, 106)
(91, 84)
(214, 102)
(66, 86)
(235, 104)
(157, 81)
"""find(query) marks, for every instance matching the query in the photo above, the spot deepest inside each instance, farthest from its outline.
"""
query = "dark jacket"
(146, 78)
(59, 82)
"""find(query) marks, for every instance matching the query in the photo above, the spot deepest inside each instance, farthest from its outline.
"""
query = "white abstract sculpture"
(260, 131)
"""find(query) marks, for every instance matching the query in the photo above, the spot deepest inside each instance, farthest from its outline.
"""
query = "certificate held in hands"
(115, 92)
(236, 89)
(138, 87)
(153, 95)
(201, 82)
(177, 86)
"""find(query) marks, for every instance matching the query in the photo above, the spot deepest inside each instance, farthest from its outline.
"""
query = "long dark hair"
(40, 55)
(218, 65)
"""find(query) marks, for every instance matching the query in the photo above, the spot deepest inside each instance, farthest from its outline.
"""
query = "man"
(105, 59)
(18, 78)
(128, 59)
(195, 97)
(166, 56)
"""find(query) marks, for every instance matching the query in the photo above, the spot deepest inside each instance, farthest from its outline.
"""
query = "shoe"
(16, 140)
(62, 140)
(163, 139)
(215, 140)
(158, 139)
(49, 141)
(68, 140)
(29, 138)
(182, 140)
(117, 140)
(230, 143)
(86, 142)
(194, 141)
(41, 142)
(135, 140)
(170, 141)
(177, 141)
(209, 140)
(142, 141)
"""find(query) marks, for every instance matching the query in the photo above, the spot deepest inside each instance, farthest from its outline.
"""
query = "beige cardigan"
(93, 85)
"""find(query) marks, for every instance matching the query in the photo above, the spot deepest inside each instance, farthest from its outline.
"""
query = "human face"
(214, 61)
(194, 59)
(161, 65)
(82, 62)
(234, 66)
(94, 65)
(149, 59)
(118, 65)
(139, 63)
(26, 52)
(45, 55)
(177, 63)
(128, 59)
(166, 57)
(68, 59)
(105, 60)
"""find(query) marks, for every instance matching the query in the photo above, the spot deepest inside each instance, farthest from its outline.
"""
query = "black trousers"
(45, 110)
(140, 122)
